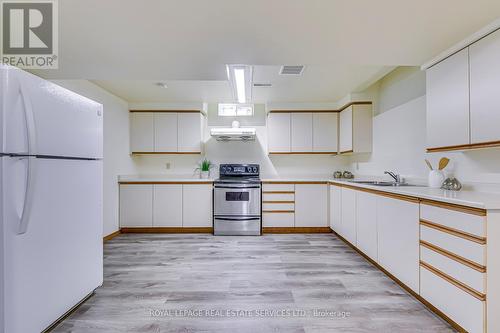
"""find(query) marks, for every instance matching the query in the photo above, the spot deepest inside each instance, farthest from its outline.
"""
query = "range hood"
(234, 133)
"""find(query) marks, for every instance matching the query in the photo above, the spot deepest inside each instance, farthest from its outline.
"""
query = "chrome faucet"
(397, 178)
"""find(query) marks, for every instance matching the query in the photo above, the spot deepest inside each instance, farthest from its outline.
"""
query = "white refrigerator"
(50, 200)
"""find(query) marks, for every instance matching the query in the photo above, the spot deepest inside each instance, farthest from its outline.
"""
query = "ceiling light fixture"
(240, 79)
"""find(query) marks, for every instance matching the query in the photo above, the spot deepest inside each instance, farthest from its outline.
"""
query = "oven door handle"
(236, 187)
(238, 219)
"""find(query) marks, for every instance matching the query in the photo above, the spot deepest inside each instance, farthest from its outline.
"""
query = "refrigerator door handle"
(28, 194)
(30, 122)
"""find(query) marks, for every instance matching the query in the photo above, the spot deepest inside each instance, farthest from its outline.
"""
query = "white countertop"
(483, 200)
(162, 179)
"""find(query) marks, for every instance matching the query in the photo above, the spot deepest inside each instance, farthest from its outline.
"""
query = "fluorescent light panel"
(240, 78)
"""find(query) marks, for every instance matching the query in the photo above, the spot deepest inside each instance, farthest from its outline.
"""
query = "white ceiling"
(126, 45)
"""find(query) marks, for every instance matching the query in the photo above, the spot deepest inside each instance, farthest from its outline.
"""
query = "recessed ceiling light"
(161, 84)
(240, 80)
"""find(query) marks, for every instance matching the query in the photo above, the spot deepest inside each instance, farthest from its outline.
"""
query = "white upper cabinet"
(398, 239)
(355, 129)
(448, 102)
(141, 132)
(189, 132)
(311, 205)
(325, 133)
(278, 132)
(345, 136)
(302, 132)
(485, 89)
(165, 132)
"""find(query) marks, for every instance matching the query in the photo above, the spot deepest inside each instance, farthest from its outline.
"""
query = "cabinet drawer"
(278, 206)
(468, 276)
(459, 246)
(278, 187)
(278, 219)
(460, 306)
(458, 220)
(278, 197)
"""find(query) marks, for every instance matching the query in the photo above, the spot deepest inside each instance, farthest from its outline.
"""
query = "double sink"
(380, 183)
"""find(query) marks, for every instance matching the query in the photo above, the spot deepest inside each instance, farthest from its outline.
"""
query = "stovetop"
(239, 173)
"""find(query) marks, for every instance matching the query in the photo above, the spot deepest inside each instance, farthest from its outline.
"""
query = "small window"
(235, 110)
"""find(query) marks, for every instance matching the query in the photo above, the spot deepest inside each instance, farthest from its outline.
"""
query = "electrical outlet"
(167, 166)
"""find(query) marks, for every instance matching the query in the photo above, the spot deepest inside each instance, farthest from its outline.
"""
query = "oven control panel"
(239, 170)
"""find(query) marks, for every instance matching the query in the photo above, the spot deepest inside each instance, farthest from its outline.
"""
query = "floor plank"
(300, 283)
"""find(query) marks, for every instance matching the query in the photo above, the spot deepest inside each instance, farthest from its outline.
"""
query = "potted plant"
(204, 168)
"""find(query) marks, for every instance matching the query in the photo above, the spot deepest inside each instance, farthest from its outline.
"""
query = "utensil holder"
(436, 178)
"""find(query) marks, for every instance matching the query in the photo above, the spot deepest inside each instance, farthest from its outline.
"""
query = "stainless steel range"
(237, 200)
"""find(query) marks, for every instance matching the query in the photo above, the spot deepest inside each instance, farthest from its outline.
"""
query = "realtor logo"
(29, 34)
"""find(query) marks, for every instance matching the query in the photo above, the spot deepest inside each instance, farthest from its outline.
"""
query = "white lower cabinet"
(335, 207)
(398, 239)
(348, 215)
(275, 219)
(136, 205)
(197, 205)
(457, 304)
(167, 205)
(366, 223)
(311, 205)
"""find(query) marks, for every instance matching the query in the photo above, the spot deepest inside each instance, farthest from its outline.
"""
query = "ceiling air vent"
(291, 70)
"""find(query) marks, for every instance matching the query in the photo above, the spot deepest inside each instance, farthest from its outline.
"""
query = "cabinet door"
(311, 205)
(301, 132)
(335, 208)
(189, 132)
(485, 89)
(398, 239)
(345, 130)
(136, 205)
(348, 215)
(167, 205)
(448, 102)
(278, 132)
(165, 132)
(197, 205)
(325, 134)
(366, 227)
(141, 132)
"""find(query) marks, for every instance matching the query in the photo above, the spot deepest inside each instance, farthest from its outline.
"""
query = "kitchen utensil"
(436, 178)
(443, 162)
(429, 164)
(451, 184)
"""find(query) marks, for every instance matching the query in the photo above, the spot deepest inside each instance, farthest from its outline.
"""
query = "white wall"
(117, 160)
(399, 137)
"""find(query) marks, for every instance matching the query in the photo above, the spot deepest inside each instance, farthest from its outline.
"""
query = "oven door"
(237, 199)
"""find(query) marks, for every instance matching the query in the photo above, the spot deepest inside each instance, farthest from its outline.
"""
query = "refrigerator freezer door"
(58, 261)
(58, 122)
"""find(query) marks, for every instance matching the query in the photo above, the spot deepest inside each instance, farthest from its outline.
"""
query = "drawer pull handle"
(456, 283)
(278, 211)
(454, 232)
(278, 202)
(453, 256)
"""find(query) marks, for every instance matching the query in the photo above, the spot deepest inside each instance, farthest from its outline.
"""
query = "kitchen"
(253, 178)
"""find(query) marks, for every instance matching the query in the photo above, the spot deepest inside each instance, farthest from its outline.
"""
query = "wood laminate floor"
(273, 283)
